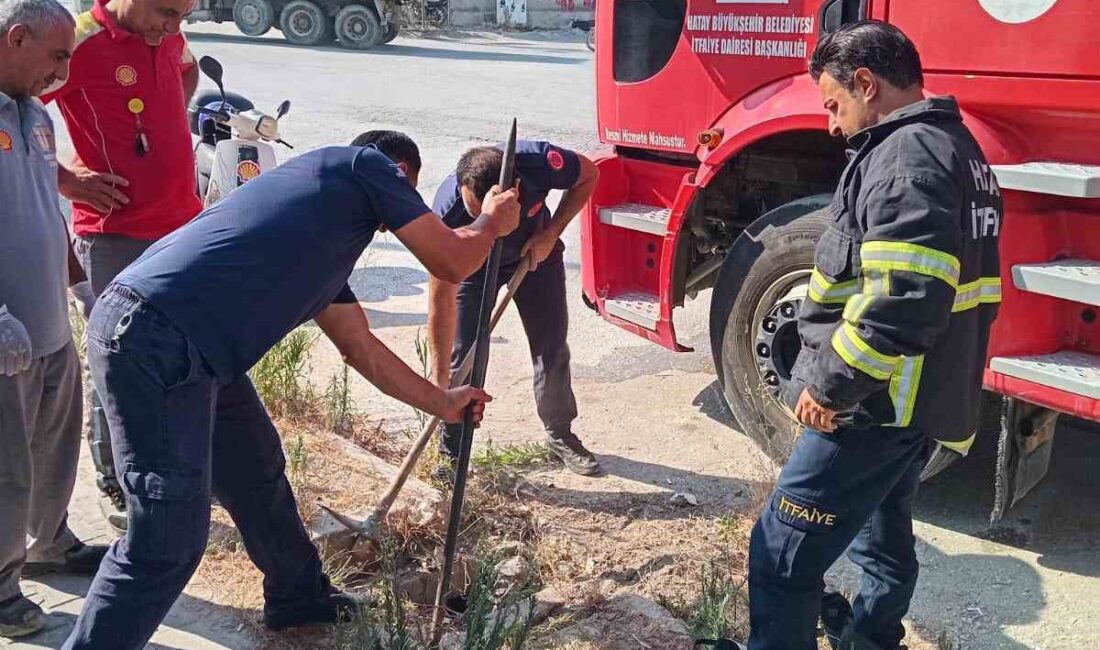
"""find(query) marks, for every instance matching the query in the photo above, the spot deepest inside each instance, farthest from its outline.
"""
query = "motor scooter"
(233, 137)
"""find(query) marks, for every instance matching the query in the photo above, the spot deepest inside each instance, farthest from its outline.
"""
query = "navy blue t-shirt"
(541, 167)
(274, 253)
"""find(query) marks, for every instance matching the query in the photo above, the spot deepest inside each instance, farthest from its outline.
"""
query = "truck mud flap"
(1023, 455)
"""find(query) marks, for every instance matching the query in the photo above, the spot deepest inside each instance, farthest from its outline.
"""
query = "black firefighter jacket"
(906, 281)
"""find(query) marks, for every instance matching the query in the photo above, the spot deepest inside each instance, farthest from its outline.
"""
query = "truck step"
(636, 216)
(1069, 370)
(639, 308)
(1060, 179)
(1076, 280)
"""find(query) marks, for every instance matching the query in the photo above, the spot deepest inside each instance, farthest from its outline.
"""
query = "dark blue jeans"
(854, 490)
(176, 435)
(545, 316)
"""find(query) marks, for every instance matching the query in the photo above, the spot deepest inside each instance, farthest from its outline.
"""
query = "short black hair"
(880, 47)
(479, 170)
(397, 146)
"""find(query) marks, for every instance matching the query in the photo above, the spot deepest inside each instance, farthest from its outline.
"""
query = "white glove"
(15, 344)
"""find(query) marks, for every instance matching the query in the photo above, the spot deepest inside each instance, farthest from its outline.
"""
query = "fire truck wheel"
(358, 27)
(304, 23)
(253, 17)
(754, 318)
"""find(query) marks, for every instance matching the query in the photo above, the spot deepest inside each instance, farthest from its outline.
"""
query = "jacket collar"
(116, 31)
(933, 109)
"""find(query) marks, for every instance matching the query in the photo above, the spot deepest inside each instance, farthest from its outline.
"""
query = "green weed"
(719, 610)
(280, 376)
(339, 410)
(298, 458)
(510, 457)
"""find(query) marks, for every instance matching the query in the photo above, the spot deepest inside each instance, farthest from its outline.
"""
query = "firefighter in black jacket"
(894, 334)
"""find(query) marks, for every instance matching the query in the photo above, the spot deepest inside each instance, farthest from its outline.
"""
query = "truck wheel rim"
(356, 27)
(775, 325)
(302, 22)
(250, 14)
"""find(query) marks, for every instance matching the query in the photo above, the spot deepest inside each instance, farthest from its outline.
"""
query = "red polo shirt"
(110, 69)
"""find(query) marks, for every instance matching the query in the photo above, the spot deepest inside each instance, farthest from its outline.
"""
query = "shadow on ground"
(190, 622)
(718, 495)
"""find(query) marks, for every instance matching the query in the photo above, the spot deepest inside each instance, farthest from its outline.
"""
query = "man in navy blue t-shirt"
(170, 342)
(452, 321)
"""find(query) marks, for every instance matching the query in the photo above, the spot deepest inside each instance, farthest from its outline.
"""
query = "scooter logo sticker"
(125, 75)
(1016, 11)
(556, 160)
(5, 141)
(246, 171)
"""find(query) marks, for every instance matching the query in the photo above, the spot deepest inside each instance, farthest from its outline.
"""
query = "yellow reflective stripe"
(824, 292)
(903, 389)
(854, 308)
(857, 354)
(962, 446)
(896, 256)
(983, 291)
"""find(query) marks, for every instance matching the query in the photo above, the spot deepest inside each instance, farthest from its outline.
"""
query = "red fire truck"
(718, 165)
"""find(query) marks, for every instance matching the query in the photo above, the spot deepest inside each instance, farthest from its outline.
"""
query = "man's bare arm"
(453, 255)
(347, 327)
(575, 197)
(442, 311)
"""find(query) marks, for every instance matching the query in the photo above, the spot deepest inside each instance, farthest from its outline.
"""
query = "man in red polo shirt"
(132, 180)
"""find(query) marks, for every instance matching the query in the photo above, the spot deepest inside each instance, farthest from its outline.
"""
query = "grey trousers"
(103, 257)
(40, 417)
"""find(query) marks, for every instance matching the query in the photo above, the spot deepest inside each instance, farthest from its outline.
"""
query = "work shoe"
(333, 606)
(113, 507)
(577, 459)
(836, 616)
(80, 560)
(20, 617)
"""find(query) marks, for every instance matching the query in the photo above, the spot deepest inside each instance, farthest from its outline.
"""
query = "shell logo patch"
(125, 75)
(246, 171)
(5, 141)
(556, 160)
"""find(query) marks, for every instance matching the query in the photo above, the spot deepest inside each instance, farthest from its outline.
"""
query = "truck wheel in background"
(253, 17)
(305, 23)
(391, 32)
(358, 28)
(754, 318)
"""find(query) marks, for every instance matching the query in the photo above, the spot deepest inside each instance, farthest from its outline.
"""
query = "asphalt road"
(653, 415)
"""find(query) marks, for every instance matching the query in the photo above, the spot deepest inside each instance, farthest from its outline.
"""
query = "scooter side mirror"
(283, 109)
(212, 69)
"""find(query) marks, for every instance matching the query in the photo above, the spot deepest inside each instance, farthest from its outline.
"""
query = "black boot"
(80, 560)
(569, 450)
(332, 606)
(20, 617)
(836, 616)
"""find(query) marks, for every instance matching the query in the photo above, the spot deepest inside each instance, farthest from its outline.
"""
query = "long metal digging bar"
(477, 380)
(371, 526)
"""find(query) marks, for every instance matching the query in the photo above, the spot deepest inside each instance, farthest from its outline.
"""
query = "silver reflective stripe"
(861, 356)
(903, 389)
(824, 292)
(983, 291)
(896, 256)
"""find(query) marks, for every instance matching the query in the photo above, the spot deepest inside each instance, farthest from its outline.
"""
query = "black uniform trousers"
(544, 313)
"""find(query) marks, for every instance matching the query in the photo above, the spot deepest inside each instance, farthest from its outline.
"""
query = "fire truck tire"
(304, 23)
(759, 281)
(253, 17)
(358, 28)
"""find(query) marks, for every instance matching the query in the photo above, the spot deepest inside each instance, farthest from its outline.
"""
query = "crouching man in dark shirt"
(170, 342)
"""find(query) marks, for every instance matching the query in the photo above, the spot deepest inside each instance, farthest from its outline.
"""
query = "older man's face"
(41, 56)
(154, 20)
